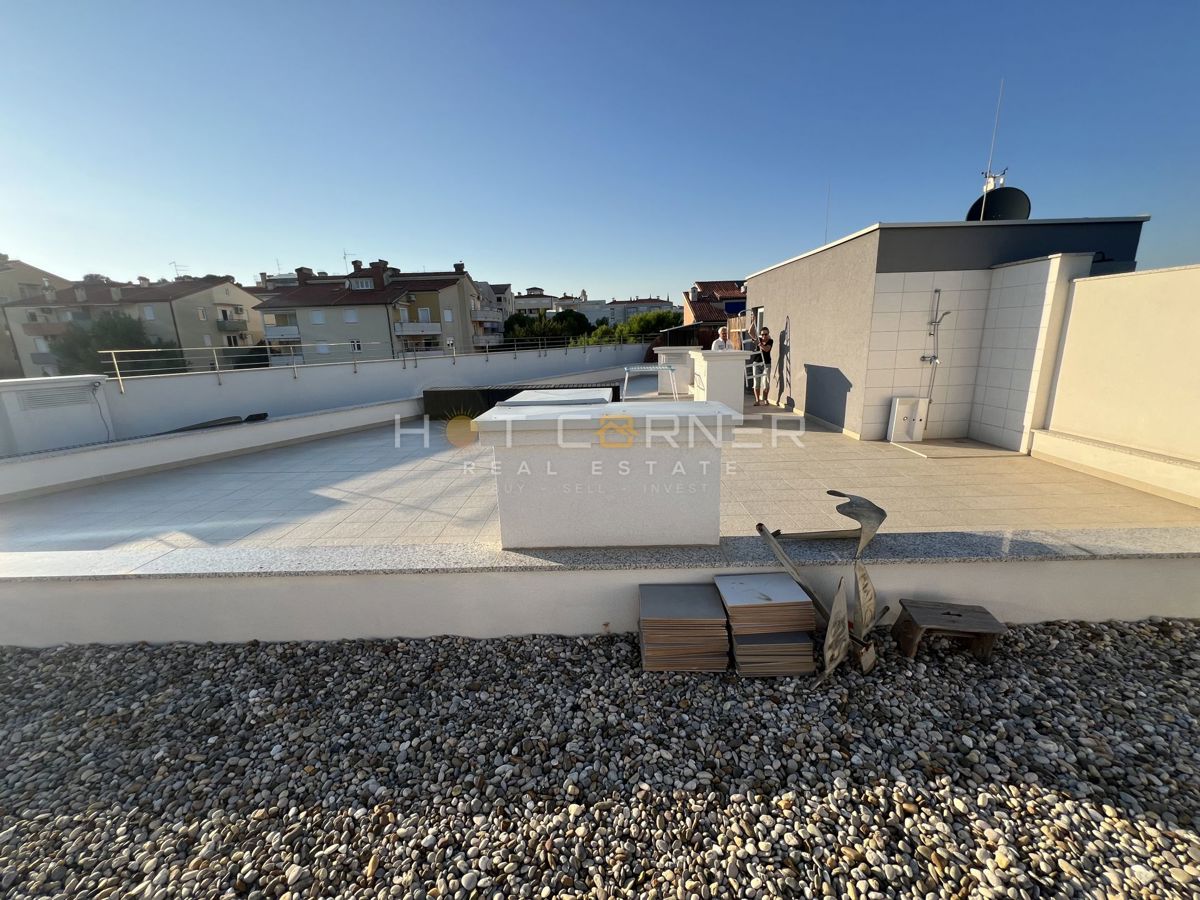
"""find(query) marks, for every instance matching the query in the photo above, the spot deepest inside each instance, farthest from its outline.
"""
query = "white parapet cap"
(592, 417)
(559, 397)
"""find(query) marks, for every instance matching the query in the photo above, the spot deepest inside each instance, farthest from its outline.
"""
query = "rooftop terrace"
(362, 490)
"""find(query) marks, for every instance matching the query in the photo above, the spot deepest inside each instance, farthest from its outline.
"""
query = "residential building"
(375, 311)
(488, 312)
(197, 314)
(501, 294)
(597, 311)
(964, 315)
(714, 302)
(534, 301)
(623, 310)
(20, 281)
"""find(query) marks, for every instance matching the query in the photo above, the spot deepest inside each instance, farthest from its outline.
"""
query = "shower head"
(938, 320)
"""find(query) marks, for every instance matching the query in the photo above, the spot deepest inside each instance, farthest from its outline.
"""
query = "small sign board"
(864, 616)
(837, 633)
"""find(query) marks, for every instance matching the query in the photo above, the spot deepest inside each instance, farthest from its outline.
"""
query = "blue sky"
(623, 147)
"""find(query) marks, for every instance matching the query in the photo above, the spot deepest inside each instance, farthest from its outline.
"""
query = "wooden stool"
(971, 623)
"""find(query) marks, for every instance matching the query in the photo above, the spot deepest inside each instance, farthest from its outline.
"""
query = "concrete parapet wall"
(50, 611)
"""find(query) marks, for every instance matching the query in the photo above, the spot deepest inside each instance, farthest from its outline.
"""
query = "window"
(202, 313)
(40, 345)
(67, 315)
(362, 284)
(28, 290)
(148, 313)
(208, 340)
(447, 315)
(402, 313)
(239, 310)
(356, 346)
(423, 314)
(350, 316)
(224, 315)
(233, 340)
(31, 316)
(322, 348)
(317, 317)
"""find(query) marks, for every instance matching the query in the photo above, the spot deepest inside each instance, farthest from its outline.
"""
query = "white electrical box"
(907, 422)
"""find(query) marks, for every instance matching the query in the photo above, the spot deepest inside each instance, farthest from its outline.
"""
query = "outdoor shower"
(935, 323)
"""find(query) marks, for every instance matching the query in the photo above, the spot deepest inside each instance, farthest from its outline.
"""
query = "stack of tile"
(772, 620)
(683, 628)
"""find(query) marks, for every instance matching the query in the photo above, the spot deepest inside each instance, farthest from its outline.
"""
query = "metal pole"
(117, 370)
(216, 364)
(354, 358)
(294, 374)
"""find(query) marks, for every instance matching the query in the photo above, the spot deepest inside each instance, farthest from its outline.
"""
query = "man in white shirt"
(722, 342)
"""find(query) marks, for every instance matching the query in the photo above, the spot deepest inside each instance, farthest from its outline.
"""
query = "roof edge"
(842, 240)
(879, 226)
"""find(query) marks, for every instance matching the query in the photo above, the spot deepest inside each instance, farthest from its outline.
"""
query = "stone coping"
(732, 553)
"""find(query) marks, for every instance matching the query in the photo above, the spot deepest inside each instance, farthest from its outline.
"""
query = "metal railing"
(126, 364)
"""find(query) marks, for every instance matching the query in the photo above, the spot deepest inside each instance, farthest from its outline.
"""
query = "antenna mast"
(989, 177)
(346, 259)
(177, 266)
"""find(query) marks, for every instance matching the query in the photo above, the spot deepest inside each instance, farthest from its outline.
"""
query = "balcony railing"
(487, 314)
(231, 325)
(415, 328)
(282, 332)
(219, 361)
(44, 329)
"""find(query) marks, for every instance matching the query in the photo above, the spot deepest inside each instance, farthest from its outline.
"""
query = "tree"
(78, 348)
(651, 322)
(516, 322)
(572, 323)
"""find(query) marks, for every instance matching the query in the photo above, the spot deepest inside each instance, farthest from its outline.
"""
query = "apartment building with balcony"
(198, 314)
(499, 294)
(376, 312)
(20, 281)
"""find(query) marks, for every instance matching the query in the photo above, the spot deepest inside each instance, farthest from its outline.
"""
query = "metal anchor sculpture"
(870, 517)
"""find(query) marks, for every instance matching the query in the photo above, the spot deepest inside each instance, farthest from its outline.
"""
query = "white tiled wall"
(991, 378)
(1013, 343)
(900, 337)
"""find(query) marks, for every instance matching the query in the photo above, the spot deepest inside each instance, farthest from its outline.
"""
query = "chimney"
(357, 263)
(80, 294)
(380, 264)
(459, 268)
(143, 281)
(322, 274)
(262, 279)
(695, 292)
(303, 275)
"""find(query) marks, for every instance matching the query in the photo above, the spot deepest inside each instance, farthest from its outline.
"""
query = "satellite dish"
(1001, 203)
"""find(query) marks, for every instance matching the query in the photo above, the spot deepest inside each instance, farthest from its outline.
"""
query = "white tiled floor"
(362, 490)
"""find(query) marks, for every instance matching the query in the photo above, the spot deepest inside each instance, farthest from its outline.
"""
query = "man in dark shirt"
(762, 379)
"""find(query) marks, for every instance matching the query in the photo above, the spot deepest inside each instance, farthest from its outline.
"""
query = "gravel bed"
(552, 767)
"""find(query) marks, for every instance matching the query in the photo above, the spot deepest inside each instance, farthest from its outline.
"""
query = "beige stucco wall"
(372, 329)
(819, 308)
(1128, 373)
(13, 275)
